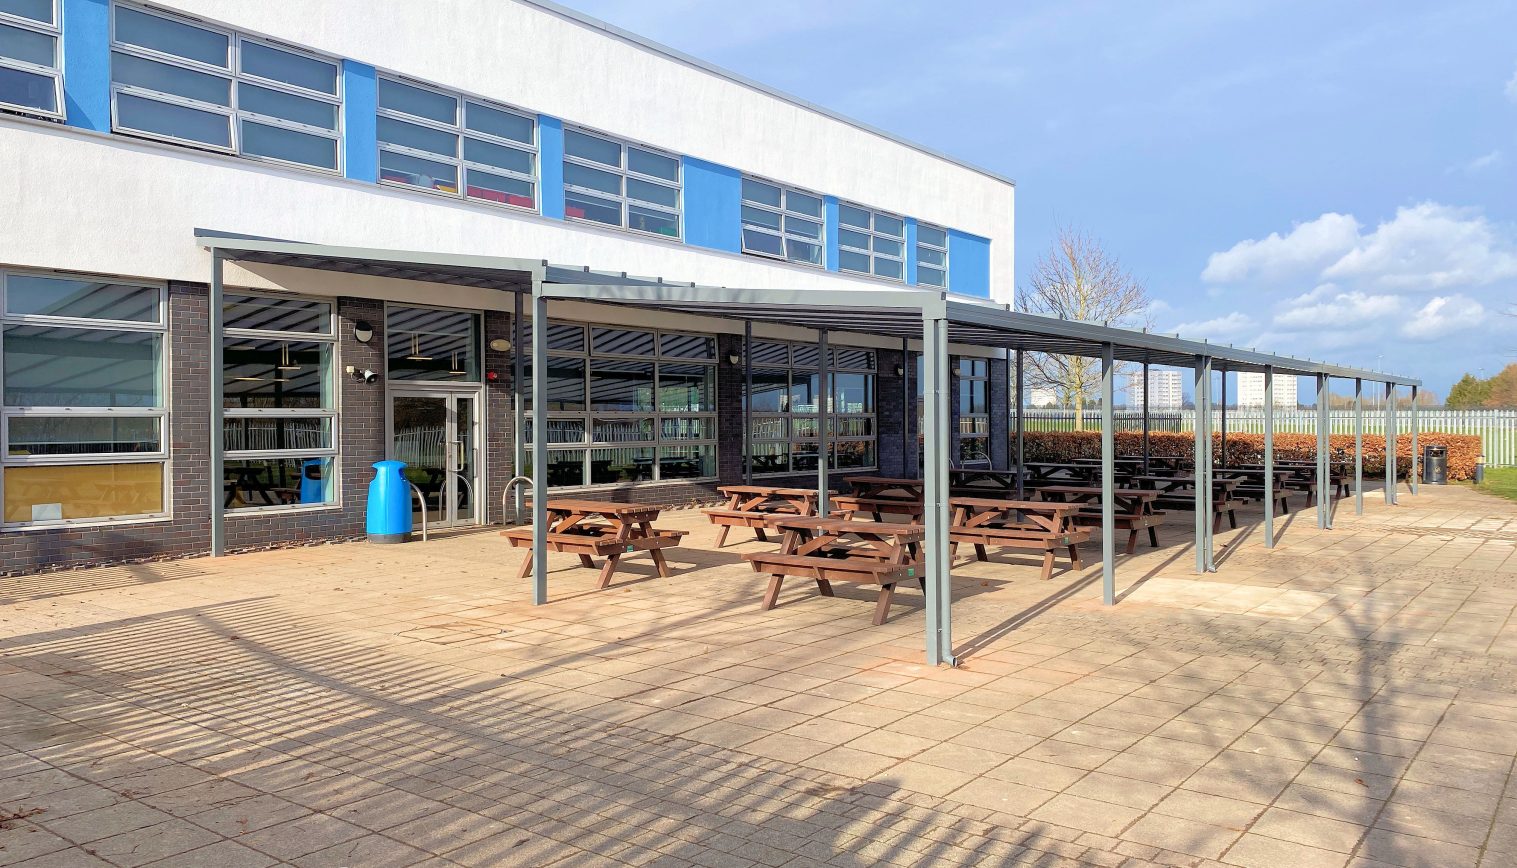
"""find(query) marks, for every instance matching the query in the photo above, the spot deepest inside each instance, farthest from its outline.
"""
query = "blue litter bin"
(389, 511)
(313, 488)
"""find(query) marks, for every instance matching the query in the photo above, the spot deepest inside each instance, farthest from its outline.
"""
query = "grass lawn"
(1501, 481)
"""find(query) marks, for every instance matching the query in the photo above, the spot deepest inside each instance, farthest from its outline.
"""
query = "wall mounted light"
(900, 371)
(362, 332)
(734, 358)
(500, 345)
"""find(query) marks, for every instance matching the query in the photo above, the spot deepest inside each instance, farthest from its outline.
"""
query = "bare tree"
(1077, 279)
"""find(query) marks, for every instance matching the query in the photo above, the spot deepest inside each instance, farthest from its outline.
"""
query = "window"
(191, 83)
(453, 144)
(619, 184)
(785, 400)
(782, 223)
(974, 410)
(932, 256)
(432, 344)
(29, 62)
(871, 242)
(627, 405)
(278, 405)
(85, 415)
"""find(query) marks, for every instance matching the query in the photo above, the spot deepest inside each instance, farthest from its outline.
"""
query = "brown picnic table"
(1178, 492)
(594, 528)
(1252, 483)
(896, 487)
(830, 550)
(982, 482)
(1022, 524)
(1133, 509)
(751, 506)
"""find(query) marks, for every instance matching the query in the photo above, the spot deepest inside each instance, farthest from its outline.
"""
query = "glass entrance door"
(436, 434)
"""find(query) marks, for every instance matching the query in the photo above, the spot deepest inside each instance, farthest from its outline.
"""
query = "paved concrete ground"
(1347, 698)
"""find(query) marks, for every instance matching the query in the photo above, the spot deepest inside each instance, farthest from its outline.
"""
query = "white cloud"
(1308, 247)
(1444, 316)
(1326, 308)
(1477, 165)
(1511, 88)
(1217, 328)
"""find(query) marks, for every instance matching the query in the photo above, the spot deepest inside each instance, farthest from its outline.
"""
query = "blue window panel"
(911, 251)
(830, 221)
(550, 161)
(87, 64)
(968, 264)
(713, 205)
(360, 131)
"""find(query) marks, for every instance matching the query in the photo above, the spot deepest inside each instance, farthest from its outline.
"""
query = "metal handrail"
(506, 492)
(422, 499)
(467, 484)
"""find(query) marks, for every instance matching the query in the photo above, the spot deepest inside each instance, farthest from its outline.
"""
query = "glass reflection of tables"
(241, 483)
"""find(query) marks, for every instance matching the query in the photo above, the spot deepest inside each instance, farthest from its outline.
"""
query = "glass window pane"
(401, 97)
(273, 313)
(853, 359)
(32, 295)
(805, 356)
(848, 215)
(406, 169)
(851, 238)
(171, 37)
(803, 457)
(499, 156)
(257, 483)
(559, 431)
(804, 392)
(418, 137)
(577, 144)
(561, 336)
(758, 191)
(687, 388)
(289, 145)
(765, 353)
(853, 426)
(83, 435)
(583, 207)
(273, 373)
(771, 457)
(566, 467)
(497, 188)
(930, 276)
(653, 165)
(615, 430)
(494, 122)
(850, 261)
(687, 346)
(593, 179)
(803, 203)
(180, 122)
(686, 428)
(427, 344)
(36, 10)
(566, 384)
(649, 220)
(244, 433)
(656, 194)
(284, 66)
(770, 428)
(852, 393)
(762, 242)
(278, 104)
(853, 454)
(686, 462)
(68, 367)
(803, 251)
(932, 235)
(887, 247)
(807, 228)
(165, 78)
(621, 342)
(621, 386)
(770, 387)
(28, 89)
(28, 46)
(929, 256)
(888, 267)
(54, 494)
(759, 217)
(888, 225)
(621, 464)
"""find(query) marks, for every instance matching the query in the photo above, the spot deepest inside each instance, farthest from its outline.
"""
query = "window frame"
(943, 249)
(162, 456)
(54, 29)
(979, 373)
(874, 215)
(783, 233)
(788, 416)
(460, 129)
(625, 201)
(332, 414)
(588, 444)
(234, 75)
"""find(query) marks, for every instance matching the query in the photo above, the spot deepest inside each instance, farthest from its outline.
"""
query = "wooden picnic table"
(982, 482)
(827, 550)
(751, 505)
(1133, 507)
(899, 488)
(1178, 492)
(595, 528)
(1024, 524)
(1040, 473)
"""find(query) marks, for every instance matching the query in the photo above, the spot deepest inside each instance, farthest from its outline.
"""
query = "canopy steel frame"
(1269, 457)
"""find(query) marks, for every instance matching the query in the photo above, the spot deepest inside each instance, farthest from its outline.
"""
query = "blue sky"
(1336, 180)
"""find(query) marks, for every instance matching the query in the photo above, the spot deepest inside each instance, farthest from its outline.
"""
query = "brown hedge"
(1464, 449)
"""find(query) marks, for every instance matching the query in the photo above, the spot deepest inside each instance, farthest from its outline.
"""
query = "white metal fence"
(1497, 429)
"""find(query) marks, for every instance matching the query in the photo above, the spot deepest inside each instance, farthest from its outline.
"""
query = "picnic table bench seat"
(1035, 539)
(825, 570)
(571, 533)
(751, 506)
(877, 507)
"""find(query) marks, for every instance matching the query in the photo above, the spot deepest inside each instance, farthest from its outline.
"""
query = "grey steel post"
(1324, 458)
(1021, 422)
(518, 402)
(1269, 456)
(1224, 417)
(539, 445)
(1146, 396)
(747, 402)
(1203, 447)
(1108, 478)
(823, 399)
(908, 412)
(1204, 481)
(1390, 444)
(1358, 446)
(935, 444)
(218, 430)
(1412, 472)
